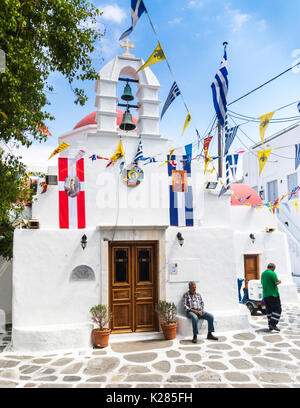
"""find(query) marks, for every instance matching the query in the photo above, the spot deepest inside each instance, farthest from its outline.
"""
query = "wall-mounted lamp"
(286, 223)
(83, 241)
(180, 238)
(252, 237)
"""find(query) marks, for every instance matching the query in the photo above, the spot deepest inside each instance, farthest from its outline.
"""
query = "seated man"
(194, 306)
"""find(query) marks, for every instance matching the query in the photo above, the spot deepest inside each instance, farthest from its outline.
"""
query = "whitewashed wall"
(44, 298)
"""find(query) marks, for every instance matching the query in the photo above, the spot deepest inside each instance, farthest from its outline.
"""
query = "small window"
(272, 190)
(255, 188)
(121, 266)
(144, 265)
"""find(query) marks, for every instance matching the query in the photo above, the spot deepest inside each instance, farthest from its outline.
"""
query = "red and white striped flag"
(71, 193)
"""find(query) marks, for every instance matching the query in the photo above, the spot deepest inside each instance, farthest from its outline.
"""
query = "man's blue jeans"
(195, 320)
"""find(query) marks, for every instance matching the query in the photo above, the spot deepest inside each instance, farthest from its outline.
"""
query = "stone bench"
(237, 319)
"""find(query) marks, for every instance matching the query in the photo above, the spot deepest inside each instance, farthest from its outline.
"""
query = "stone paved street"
(254, 358)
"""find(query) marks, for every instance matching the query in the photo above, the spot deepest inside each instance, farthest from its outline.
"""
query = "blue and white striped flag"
(151, 160)
(220, 90)
(229, 137)
(181, 202)
(139, 153)
(232, 161)
(174, 91)
(137, 9)
(297, 156)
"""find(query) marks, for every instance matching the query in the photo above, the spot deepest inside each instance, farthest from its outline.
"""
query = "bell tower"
(106, 101)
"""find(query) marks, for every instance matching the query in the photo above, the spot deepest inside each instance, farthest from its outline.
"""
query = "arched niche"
(82, 273)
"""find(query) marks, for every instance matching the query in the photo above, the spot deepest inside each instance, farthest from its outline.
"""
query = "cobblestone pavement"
(254, 358)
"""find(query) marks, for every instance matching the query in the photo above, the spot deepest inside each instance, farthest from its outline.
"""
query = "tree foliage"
(38, 37)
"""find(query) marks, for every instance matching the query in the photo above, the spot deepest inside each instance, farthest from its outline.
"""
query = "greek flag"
(151, 160)
(297, 156)
(220, 90)
(181, 202)
(174, 91)
(229, 137)
(232, 161)
(139, 153)
(137, 9)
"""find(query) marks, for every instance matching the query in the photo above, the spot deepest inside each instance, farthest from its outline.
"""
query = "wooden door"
(251, 263)
(133, 270)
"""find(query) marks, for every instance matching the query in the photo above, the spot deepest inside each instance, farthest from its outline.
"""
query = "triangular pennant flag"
(157, 56)
(223, 190)
(59, 149)
(264, 121)
(263, 156)
(189, 151)
(139, 153)
(207, 160)
(296, 205)
(137, 9)
(186, 123)
(42, 128)
(174, 91)
(207, 141)
(229, 137)
(119, 153)
(168, 161)
(232, 161)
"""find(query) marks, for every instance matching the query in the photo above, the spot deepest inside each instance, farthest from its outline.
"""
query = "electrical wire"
(264, 84)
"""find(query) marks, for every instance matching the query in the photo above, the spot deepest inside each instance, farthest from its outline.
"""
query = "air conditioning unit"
(270, 229)
(211, 185)
(51, 180)
(33, 224)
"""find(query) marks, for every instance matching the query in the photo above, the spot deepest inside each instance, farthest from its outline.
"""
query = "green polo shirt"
(268, 280)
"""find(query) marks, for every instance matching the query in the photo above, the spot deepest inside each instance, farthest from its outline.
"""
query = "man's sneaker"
(211, 337)
(194, 339)
(274, 328)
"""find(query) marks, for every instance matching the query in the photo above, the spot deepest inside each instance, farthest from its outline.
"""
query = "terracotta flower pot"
(169, 330)
(100, 337)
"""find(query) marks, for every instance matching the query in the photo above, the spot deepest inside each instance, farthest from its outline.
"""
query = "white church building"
(122, 250)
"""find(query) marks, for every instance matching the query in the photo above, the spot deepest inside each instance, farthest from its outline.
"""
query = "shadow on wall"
(6, 288)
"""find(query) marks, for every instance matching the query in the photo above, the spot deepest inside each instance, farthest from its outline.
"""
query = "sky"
(263, 41)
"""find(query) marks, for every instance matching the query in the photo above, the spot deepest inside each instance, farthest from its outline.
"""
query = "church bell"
(127, 94)
(127, 123)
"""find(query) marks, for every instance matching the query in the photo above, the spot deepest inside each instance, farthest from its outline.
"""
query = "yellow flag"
(296, 205)
(168, 161)
(263, 156)
(207, 160)
(186, 123)
(119, 152)
(59, 149)
(157, 56)
(264, 121)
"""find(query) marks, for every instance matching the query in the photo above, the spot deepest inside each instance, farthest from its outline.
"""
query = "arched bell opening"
(126, 93)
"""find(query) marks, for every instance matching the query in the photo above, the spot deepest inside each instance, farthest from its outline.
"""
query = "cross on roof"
(127, 46)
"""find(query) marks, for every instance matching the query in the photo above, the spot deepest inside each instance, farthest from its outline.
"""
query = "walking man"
(194, 306)
(270, 282)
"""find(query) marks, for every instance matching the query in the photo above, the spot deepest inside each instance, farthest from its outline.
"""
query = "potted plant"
(101, 316)
(167, 314)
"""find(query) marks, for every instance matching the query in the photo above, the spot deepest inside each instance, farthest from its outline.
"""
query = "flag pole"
(220, 164)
